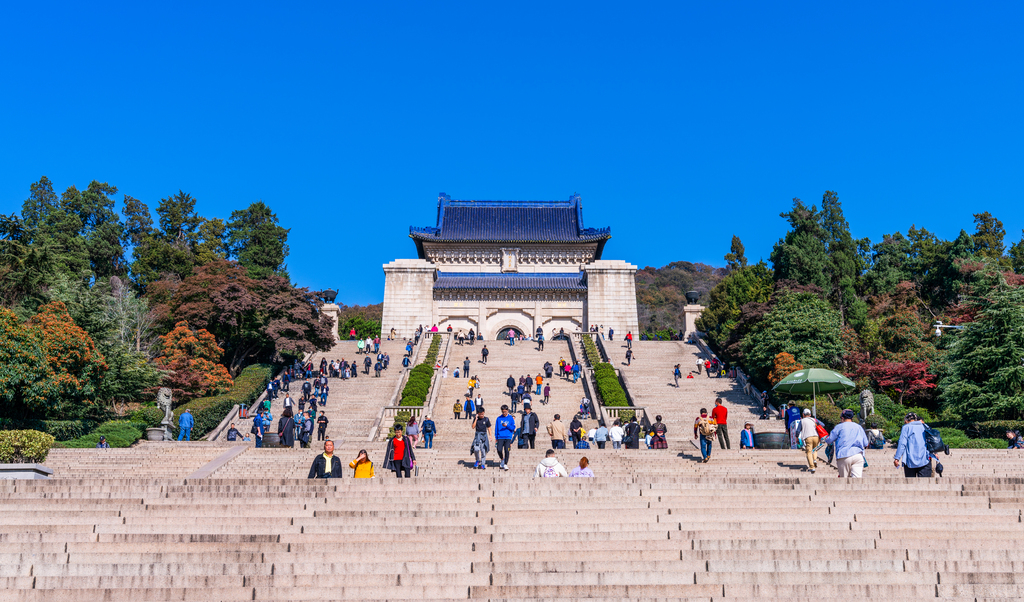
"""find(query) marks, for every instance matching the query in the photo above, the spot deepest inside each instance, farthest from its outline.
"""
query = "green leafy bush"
(62, 430)
(151, 416)
(417, 386)
(207, 412)
(828, 412)
(24, 447)
(401, 418)
(608, 387)
(119, 433)
(874, 421)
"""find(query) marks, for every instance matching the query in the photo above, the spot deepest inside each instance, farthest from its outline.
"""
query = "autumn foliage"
(191, 358)
(785, 364)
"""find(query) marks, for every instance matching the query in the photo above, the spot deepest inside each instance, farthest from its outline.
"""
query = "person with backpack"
(705, 429)
(632, 434)
(658, 431)
(807, 431)
(629, 357)
(483, 355)
(912, 449)
(849, 440)
(876, 439)
(575, 429)
(549, 466)
(504, 433)
(429, 428)
(629, 339)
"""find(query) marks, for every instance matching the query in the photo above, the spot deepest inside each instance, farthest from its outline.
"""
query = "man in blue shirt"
(185, 423)
(912, 450)
(504, 433)
(850, 441)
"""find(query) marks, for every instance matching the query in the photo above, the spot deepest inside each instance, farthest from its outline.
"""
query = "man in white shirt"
(616, 434)
(807, 429)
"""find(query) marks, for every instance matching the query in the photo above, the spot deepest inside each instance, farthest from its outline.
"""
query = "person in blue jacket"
(185, 423)
(504, 433)
(792, 419)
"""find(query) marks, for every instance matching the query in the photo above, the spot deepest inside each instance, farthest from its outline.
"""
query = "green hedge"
(62, 430)
(24, 447)
(401, 418)
(828, 412)
(608, 386)
(119, 433)
(590, 350)
(417, 387)
(207, 412)
(151, 416)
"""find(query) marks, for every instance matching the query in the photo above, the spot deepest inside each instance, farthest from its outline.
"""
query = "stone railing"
(613, 413)
(232, 415)
(742, 379)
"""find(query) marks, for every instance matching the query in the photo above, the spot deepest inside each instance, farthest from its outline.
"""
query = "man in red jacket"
(721, 414)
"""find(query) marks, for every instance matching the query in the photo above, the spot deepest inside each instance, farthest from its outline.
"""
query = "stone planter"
(155, 434)
(24, 471)
(271, 440)
(771, 441)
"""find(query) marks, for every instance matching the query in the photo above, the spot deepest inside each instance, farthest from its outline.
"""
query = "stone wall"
(408, 296)
(611, 296)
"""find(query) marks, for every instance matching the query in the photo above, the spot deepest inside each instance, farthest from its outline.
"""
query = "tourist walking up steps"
(504, 433)
(481, 439)
(616, 434)
(912, 450)
(632, 434)
(721, 415)
(286, 428)
(557, 432)
(185, 424)
(658, 431)
(700, 364)
(705, 428)
(511, 384)
(850, 440)
(429, 428)
(483, 355)
(676, 374)
(807, 430)
(629, 357)
(399, 455)
(457, 408)
(549, 466)
(326, 465)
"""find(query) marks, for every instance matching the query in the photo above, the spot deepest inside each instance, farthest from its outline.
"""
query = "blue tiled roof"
(454, 281)
(509, 221)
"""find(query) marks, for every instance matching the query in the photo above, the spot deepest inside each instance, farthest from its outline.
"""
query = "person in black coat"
(632, 432)
(408, 459)
(286, 428)
(319, 468)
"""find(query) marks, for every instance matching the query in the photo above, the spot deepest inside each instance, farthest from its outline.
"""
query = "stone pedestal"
(24, 471)
(408, 296)
(690, 315)
(332, 310)
(611, 296)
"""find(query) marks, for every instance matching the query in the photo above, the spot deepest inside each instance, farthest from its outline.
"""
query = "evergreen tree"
(138, 223)
(801, 256)
(1017, 255)
(257, 241)
(179, 222)
(988, 237)
(735, 258)
(42, 201)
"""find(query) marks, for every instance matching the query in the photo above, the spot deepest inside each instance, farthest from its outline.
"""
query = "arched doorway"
(503, 333)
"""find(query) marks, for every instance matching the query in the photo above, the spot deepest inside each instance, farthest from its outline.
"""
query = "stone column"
(408, 295)
(611, 296)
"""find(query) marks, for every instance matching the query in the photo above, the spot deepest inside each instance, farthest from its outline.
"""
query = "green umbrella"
(814, 381)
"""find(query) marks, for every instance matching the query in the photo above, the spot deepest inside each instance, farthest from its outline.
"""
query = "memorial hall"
(491, 266)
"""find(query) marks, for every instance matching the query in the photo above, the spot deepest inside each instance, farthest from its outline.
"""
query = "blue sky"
(680, 124)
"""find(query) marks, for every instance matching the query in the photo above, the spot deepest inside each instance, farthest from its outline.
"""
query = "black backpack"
(933, 441)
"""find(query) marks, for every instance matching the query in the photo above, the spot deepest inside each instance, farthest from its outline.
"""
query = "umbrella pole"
(814, 392)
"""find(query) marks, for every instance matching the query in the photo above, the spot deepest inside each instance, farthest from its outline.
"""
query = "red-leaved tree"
(908, 379)
(191, 358)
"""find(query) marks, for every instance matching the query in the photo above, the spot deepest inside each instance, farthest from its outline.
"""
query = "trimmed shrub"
(207, 412)
(401, 418)
(119, 433)
(874, 421)
(828, 412)
(417, 387)
(151, 416)
(24, 447)
(62, 430)
(608, 387)
(626, 415)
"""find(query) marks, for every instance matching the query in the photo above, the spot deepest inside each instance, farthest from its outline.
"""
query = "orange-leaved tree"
(191, 358)
(785, 364)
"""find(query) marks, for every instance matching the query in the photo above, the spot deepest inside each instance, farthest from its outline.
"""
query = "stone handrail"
(640, 413)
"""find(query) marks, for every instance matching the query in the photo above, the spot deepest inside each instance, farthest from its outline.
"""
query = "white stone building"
(494, 265)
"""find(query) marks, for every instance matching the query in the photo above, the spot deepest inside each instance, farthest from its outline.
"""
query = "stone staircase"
(652, 386)
(654, 525)
(519, 360)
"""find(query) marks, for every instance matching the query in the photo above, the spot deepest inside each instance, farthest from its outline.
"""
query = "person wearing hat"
(103, 443)
(530, 424)
(747, 436)
(850, 440)
(504, 433)
(807, 430)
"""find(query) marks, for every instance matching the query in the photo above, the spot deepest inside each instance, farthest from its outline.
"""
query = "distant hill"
(661, 292)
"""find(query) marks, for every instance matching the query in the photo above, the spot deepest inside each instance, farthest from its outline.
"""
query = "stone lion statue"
(867, 404)
(163, 401)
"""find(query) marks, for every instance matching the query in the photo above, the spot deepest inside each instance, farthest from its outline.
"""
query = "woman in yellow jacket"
(362, 466)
